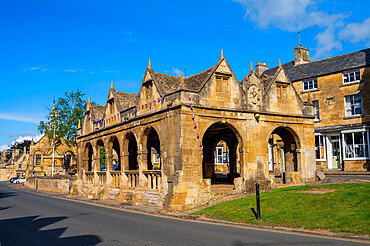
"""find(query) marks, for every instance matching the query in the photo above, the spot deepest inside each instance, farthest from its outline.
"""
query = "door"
(335, 152)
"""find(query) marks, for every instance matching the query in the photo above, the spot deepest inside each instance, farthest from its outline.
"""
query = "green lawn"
(346, 209)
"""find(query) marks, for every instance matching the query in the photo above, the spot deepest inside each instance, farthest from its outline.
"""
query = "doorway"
(334, 158)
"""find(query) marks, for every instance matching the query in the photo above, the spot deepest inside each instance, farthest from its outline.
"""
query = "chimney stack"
(260, 68)
(301, 55)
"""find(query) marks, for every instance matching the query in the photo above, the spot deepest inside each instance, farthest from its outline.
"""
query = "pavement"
(330, 178)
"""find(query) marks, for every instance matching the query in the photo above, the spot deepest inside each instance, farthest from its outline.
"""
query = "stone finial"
(89, 101)
(279, 63)
(251, 66)
(150, 64)
(182, 82)
(79, 124)
(32, 142)
(222, 53)
(111, 86)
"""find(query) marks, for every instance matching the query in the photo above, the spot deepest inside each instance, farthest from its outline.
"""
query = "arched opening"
(220, 157)
(101, 155)
(153, 150)
(68, 161)
(282, 153)
(89, 157)
(114, 147)
(132, 153)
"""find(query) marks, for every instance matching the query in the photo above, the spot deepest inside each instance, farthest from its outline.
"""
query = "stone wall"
(54, 185)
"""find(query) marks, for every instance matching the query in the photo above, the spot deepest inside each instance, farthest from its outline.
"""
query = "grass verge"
(343, 208)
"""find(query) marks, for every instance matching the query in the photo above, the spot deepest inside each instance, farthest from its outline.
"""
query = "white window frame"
(323, 144)
(344, 145)
(348, 105)
(217, 155)
(347, 76)
(316, 109)
(309, 82)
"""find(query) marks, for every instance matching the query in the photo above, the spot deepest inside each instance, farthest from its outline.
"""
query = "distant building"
(15, 166)
(41, 156)
(338, 88)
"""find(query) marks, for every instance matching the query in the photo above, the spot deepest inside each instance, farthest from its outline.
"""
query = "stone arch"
(216, 132)
(100, 155)
(88, 157)
(151, 152)
(114, 153)
(35, 150)
(283, 153)
(68, 159)
(130, 150)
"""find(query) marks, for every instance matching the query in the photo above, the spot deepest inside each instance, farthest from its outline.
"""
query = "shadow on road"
(5, 194)
(27, 231)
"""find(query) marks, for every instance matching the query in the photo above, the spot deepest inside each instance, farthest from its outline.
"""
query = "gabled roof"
(322, 67)
(125, 100)
(167, 84)
(97, 111)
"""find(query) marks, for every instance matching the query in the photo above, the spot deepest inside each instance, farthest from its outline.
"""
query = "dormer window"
(310, 85)
(111, 106)
(222, 83)
(351, 77)
(147, 90)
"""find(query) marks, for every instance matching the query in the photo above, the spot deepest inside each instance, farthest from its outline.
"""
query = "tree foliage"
(63, 118)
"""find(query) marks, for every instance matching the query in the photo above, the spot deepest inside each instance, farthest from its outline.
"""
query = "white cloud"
(21, 139)
(296, 15)
(35, 68)
(16, 117)
(70, 71)
(327, 42)
(357, 32)
(177, 71)
(4, 147)
(126, 36)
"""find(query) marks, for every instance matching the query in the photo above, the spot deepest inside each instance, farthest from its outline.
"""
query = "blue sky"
(51, 47)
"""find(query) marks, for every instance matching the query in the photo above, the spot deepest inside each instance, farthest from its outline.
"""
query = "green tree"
(64, 117)
(102, 156)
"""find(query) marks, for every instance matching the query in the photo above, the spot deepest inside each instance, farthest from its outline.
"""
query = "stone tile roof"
(97, 111)
(125, 100)
(169, 83)
(322, 67)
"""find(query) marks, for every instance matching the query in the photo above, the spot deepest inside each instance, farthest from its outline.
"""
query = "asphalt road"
(31, 219)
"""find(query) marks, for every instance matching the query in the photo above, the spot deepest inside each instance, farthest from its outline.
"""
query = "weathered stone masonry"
(160, 143)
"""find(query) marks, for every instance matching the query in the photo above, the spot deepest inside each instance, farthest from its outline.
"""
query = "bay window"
(356, 145)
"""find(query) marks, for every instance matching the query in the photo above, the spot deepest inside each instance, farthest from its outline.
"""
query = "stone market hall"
(178, 140)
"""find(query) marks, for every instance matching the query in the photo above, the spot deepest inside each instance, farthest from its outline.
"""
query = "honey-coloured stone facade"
(338, 87)
(165, 138)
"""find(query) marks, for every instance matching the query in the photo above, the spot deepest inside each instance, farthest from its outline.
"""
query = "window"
(353, 104)
(219, 156)
(353, 76)
(356, 145)
(222, 83)
(320, 147)
(68, 160)
(38, 160)
(316, 110)
(310, 85)
(20, 166)
(155, 155)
